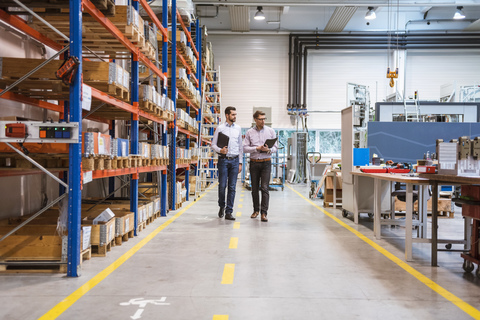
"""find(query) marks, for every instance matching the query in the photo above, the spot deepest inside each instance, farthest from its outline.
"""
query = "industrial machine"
(459, 157)
(37, 131)
(297, 157)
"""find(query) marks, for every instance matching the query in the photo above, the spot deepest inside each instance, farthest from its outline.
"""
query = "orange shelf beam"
(189, 71)
(184, 165)
(151, 169)
(102, 96)
(33, 102)
(206, 141)
(20, 24)
(154, 18)
(98, 174)
(150, 117)
(189, 36)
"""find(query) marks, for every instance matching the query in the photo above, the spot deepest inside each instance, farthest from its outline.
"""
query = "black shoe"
(221, 212)
(229, 216)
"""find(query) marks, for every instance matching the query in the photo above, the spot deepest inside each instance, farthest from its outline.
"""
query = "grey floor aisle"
(301, 264)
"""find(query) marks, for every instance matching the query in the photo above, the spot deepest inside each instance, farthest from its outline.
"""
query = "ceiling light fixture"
(459, 13)
(259, 15)
(370, 15)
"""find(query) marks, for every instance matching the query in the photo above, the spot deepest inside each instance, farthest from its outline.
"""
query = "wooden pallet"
(39, 266)
(142, 225)
(124, 238)
(57, 7)
(43, 84)
(95, 36)
(101, 250)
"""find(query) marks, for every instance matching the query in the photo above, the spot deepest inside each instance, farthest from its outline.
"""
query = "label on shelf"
(87, 177)
(86, 97)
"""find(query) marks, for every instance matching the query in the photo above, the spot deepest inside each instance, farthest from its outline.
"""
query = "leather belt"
(260, 160)
(228, 158)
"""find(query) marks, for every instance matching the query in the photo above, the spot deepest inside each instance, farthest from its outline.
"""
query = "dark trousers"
(227, 175)
(260, 177)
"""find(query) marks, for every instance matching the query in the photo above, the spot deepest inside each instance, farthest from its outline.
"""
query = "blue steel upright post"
(75, 149)
(173, 88)
(134, 133)
(187, 140)
(111, 180)
(164, 191)
(198, 44)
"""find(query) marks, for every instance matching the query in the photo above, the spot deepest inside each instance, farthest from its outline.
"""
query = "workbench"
(421, 223)
(435, 181)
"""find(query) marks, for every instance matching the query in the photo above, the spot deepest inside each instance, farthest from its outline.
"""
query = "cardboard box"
(105, 216)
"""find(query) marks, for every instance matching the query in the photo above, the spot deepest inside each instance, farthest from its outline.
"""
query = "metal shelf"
(123, 109)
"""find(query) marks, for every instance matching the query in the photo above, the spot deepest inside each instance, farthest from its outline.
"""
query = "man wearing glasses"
(228, 161)
(260, 162)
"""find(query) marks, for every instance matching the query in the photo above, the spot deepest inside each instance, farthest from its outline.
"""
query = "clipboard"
(222, 140)
(270, 142)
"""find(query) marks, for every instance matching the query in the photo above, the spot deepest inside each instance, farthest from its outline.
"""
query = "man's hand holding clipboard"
(269, 143)
(222, 142)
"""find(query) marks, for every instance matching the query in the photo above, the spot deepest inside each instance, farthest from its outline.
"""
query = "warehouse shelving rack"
(75, 113)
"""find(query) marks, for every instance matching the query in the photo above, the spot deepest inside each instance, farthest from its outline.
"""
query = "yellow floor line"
(228, 271)
(241, 200)
(233, 243)
(80, 292)
(240, 206)
(239, 214)
(464, 306)
(220, 317)
(236, 225)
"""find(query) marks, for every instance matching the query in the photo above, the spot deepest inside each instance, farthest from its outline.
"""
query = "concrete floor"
(299, 265)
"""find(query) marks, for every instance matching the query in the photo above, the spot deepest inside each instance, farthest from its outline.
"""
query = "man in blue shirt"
(229, 165)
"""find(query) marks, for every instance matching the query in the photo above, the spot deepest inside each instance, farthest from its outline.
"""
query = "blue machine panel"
(361, 156)
(408, 141)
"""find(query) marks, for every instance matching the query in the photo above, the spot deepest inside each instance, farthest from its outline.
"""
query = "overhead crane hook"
(392, 75)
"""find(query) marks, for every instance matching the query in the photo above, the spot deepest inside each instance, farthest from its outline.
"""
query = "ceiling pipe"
(400, 41)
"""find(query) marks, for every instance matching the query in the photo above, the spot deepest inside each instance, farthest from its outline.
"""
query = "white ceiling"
(284, 16)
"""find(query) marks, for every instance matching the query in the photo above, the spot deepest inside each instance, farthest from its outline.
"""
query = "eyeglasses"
(261, 119)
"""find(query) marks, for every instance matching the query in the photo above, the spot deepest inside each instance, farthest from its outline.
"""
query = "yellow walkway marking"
(464, 306)
(233, 243)
(236, 225)
(242, 194)
(228, 272)
(240, 206)
(220, 317)
(80, 292)
(241, 200)
(239, 214)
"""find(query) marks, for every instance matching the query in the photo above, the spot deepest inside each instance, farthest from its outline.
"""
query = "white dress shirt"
(234, 132)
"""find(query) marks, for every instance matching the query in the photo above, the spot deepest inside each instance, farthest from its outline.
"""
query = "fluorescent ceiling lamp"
(259, 15)
(370, 15)
(459, 14)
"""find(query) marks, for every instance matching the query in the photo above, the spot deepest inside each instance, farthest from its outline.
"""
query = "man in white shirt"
(229, 165)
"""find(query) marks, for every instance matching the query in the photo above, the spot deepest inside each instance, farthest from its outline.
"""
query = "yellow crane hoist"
(392, 75)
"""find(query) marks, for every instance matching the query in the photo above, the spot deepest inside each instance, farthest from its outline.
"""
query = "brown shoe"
(264, 217)
(254, 215)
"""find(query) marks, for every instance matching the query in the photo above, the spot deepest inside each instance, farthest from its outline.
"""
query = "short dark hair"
(258, 113)
(229, 109)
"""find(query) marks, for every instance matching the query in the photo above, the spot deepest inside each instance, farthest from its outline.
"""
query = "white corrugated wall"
(255, 73)
(427, 71)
